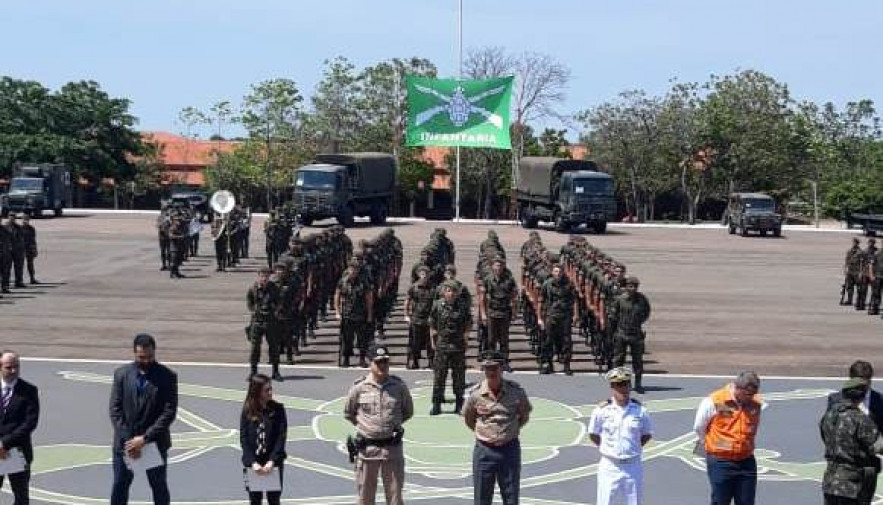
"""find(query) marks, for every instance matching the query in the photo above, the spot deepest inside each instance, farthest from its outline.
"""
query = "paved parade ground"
(721, 304)
(72, 461)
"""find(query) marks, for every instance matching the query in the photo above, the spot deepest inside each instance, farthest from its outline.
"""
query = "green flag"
(450, 112)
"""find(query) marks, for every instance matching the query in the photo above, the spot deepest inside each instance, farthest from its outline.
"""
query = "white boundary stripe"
(365, 370)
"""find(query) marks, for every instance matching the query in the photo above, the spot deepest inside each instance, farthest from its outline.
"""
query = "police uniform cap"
(492, 358)
(618, 374)
(379, 353)
(854, 383)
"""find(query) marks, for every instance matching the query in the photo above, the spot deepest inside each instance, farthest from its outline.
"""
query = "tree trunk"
(489, 196)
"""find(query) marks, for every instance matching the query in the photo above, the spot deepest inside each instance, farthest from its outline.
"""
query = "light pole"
(459, 76)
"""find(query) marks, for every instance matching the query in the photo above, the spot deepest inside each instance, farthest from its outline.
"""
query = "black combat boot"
(363, 363)
(436, 409)
(458, 405)
(567, 370)
(639, 388)
(276, 375)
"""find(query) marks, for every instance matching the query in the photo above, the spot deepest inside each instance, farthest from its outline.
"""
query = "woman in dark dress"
(262, 431)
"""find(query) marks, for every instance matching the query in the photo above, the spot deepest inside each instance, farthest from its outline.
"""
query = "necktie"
(7, 395)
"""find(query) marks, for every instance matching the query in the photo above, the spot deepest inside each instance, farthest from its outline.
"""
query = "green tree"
(272, 116)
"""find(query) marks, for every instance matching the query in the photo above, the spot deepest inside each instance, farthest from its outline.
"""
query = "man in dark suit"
(143, 404)
(19, 414)
(871, 405)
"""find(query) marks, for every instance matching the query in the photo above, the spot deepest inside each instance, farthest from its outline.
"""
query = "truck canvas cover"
(375, 172)
(537, 173)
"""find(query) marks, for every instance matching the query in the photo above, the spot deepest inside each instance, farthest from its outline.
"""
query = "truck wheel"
(346, 216)
(4, 212)
(601, 228)
(777, 232)
(763, 233)
(524, 217)
(58, 212)
(743, 231)
(378, 216)
(560, 224)
(731, 229)
(306, 221)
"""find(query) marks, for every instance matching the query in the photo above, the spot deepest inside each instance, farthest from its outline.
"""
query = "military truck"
(344, 186)
(566, 192)
(38, 187)
(871, 224)
(753, 212)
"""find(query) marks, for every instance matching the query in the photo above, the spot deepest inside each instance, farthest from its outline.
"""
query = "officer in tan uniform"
(496, 410)
(378, 404)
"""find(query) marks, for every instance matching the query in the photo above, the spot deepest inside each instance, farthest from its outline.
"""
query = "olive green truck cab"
(566, 192)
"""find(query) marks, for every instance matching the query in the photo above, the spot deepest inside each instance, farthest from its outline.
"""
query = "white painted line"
(365, 370)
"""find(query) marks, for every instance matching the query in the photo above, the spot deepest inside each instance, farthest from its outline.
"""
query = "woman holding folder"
(263, 428)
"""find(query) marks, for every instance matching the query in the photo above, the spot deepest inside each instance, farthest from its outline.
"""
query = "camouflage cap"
(450, 284)
(618, 374)
(423, 268)
(854, 383)
(451, 269)
(631, 279)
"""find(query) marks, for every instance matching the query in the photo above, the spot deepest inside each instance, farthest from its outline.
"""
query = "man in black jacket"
(143, 404)
(19, 414)
(871, 405)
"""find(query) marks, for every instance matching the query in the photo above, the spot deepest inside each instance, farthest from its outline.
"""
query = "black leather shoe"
(435, 410)
(277, 376)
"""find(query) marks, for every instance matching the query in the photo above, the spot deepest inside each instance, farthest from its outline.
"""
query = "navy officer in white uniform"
(620, 427)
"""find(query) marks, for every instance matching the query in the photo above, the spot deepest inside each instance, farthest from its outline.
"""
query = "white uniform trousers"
(620, 483)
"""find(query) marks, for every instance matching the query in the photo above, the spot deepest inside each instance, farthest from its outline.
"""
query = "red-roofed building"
(186, 159)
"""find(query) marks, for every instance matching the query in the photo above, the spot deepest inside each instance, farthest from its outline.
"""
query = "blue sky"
(165, 55)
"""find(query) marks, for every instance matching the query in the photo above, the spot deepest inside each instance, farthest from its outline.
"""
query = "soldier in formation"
(263, 303)
(17, 238)
(629, 312)
(864, 278)
(600, 281)
(174, 232)
(30, 237)
(875, 280)
(851, 272)
(449, 322)
(498, 298)
(421, 296)
(278, 230)
(366, 294)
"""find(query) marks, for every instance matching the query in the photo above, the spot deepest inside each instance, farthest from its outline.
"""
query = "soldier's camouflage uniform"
(851, 440)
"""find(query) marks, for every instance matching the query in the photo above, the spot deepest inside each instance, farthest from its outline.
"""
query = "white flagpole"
(459, 76)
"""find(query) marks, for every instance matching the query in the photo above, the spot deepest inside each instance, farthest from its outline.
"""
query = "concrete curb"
(500, 222)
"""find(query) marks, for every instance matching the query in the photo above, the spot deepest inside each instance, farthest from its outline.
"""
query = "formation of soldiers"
(231, 235)
(581, 287)
(863, 276)
(427, 275)
(280, 226)
(286, 302)
(366, 293)
(18, 248)
(178, 233)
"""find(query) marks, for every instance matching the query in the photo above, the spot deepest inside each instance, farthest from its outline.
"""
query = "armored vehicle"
(567, 192)
(753, 212)
(344, 186)
(38, 187)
